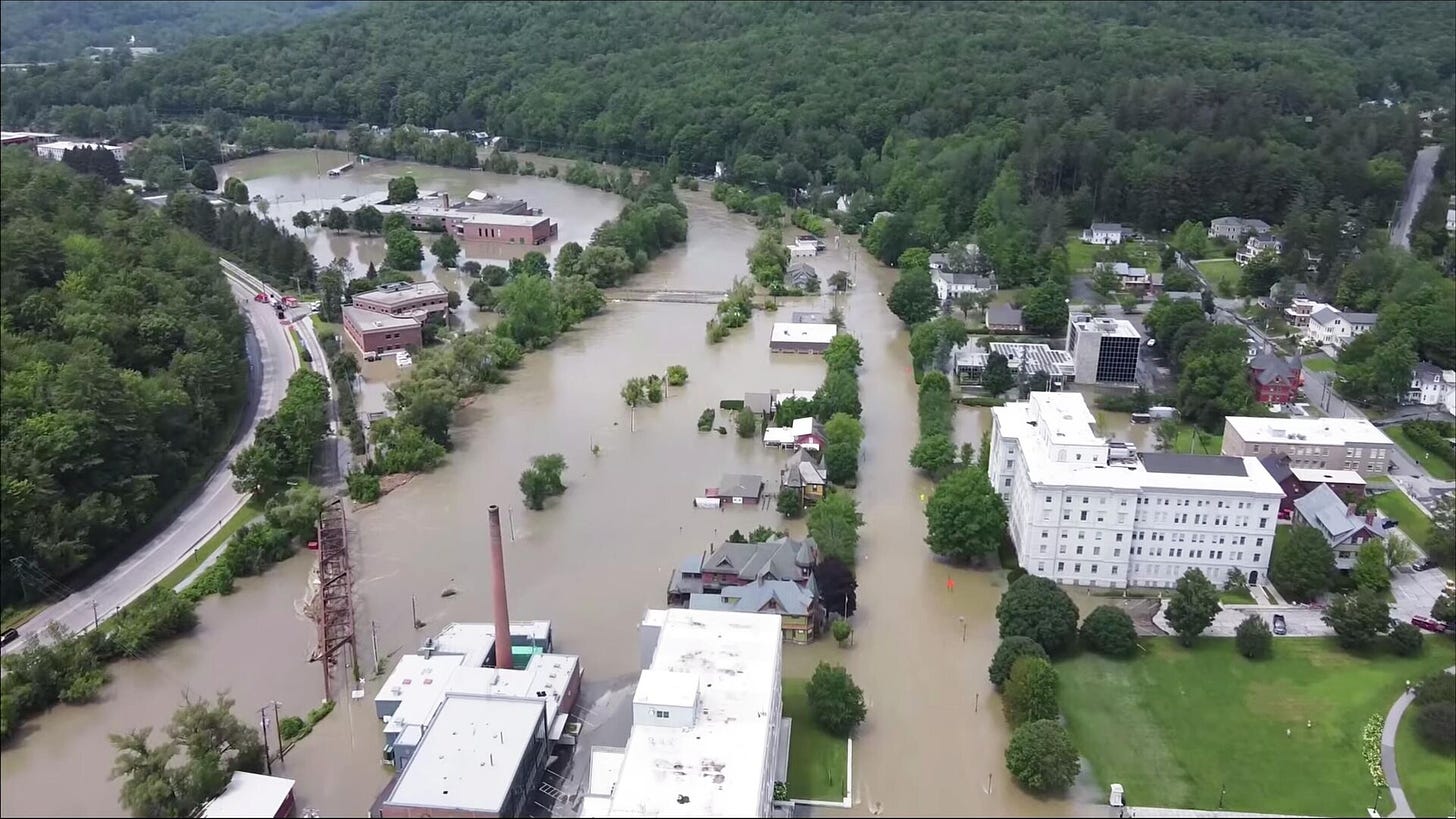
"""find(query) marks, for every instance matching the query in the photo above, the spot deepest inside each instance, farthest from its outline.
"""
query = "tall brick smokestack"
(498, 586)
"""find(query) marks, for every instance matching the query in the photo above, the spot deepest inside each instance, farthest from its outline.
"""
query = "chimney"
(498, 592)
(446, 197)
(1370, 519)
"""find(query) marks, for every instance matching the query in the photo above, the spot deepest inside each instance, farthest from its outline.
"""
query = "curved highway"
(271, 360)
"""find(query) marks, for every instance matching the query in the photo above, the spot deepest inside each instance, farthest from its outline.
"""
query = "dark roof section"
(1193, 464)
(1277, 466)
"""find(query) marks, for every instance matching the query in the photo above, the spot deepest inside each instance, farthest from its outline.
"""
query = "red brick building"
(374, 333)
(1275, 380)
(501, 228)
(416, 300)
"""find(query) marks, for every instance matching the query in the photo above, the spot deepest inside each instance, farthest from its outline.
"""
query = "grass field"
(1319, 365)
(1439, 469)
(1429, 778)
(249, 511)
(1176, 726)
(1236, 596)
(1197, 442)
(1412, 521)
(1080, 255)
(818, 762)
(1220, 272)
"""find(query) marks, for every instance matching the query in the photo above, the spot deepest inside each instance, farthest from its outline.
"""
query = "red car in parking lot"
(1429, 624)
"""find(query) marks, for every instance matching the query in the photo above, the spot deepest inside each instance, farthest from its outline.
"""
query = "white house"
(1087, 511)
(1431, 386)
(948, 285)
(1105, 233)
(1258, 243)
(1235, 229)
(1329, 327)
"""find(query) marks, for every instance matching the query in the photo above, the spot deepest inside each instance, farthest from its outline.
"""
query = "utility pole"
(263, 724)
(510, 516)
(278, 727)
(374, 644)
(95, 616)
(414, 614)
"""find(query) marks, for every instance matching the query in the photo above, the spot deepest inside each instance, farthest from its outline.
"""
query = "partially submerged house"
(738, 490)
(774, 577)
(803, 475)
(804, 432)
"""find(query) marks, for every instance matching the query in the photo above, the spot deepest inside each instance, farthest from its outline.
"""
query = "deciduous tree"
(1037, 608)
(1193, 606)
(1030, 693)
(1041, 757)
(1108, 630)
(835, 702)
(834, 524)
(965, 517)
(446, 250)
(1358, 618)
(1007, 653)
(1253, 638)
(1301, 564)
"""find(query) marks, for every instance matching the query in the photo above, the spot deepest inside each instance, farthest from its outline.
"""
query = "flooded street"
(600, 554)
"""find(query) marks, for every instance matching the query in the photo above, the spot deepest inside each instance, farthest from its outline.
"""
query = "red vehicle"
(1428, 624)
(290, 301)
(261, 298)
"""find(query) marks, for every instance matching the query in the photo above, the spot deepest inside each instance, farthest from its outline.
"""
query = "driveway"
(1416, 592)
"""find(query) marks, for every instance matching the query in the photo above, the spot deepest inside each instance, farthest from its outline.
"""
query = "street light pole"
(95, 616)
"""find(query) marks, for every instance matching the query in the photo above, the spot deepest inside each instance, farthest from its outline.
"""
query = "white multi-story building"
(706, 721)
(1089, 512)
(1316, 443)
(1431, 386)
(56, 151)
(1330, 327)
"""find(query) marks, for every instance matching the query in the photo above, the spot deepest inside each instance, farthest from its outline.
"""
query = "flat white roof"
(606, 766)
(1341, 476)
(1105, 326)
(810, 333)
(249, 795)
(413, 673)
(1050, 419)
(514, 219)
(656, 687)
(7, 135)
(469, 756)
(1305, 431)
(67, 145)
(396, 295)
(370, 320)
(717, 766)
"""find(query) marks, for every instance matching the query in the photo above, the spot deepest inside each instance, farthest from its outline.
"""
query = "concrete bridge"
(666, 295)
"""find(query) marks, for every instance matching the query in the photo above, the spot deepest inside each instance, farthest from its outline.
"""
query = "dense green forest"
(1149, 113)
(121, 363)
(38, 30)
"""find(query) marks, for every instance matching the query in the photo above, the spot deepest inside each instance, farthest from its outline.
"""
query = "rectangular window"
(1114, 570)
(1257, 556)
(1084, 515)
(661, 714)
(1061, 566)
(1040, 567)
(1094, 568)
(1077, 568)
(1079, 549)
(1117, 553)
(1258, 541)
(1119, 537)
(1263, 522)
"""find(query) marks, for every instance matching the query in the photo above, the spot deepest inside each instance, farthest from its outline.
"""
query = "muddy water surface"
(599, 555)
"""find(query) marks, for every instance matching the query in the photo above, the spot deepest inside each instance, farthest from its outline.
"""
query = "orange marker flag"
(949, 584)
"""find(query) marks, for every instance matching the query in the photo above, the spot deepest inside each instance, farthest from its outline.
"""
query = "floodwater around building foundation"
(600, 554)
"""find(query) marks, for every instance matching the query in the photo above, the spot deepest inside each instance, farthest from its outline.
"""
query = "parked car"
(1423, 564)
(261, 298)
(1428, 624)
(1279, 627)
(9, 636)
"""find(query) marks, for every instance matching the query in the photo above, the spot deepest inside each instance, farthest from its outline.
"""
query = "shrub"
(1042, 758)
(841, 631)
(1436, 724)
(789, 503)
(1031, 691)
(363, 487)
(1439, 687)
(292, 728)
(1108, 630)
(747, 422)
(1036, 607)
(677, 375)
(1406, 640)
(705, 421)
(1011, 650)
(1253, 638)
(835, 702)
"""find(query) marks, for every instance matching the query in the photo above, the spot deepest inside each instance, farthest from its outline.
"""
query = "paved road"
(1387, 752)
(271, 360)
(1415, 193)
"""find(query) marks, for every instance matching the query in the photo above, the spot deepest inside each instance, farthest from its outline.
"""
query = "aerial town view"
(713, 408)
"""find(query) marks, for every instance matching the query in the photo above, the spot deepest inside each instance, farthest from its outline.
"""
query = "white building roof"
(1306, 431)
(657, 687)
(1053, 421)
(1340, 476)
(1105, 326)
(390, 295)
(68, 145)
(717, 765)
(516, 220)
(784, 331)
(249, 795)
(370, 320)
(469, 756)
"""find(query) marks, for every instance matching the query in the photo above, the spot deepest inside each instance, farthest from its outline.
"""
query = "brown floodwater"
(596, 557)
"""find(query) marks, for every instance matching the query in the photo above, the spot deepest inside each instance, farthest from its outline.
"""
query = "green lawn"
(1221, 271)
(1430, 461)
(1236, 597)
(1197, 442)
(818, 762)
(1010, 295)
(1412, 521)
(249, 511)
(1320, 365)
(1429, 778)
(1080, 255)
(1175, 726)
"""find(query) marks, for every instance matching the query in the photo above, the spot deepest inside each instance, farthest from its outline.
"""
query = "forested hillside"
(1151, 113)
(46, 30)
(121, 361)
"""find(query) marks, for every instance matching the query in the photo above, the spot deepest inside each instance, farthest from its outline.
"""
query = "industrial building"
(252, 796)
(1317, 443)
(968, 361)
(1087, 511)
(1103, 350)
(376, 333)
(57, 150)
(708, 738)
(470, 721)
(798, 337)
(416, 300)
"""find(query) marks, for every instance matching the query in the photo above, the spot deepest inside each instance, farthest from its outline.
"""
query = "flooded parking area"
(601, 553)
